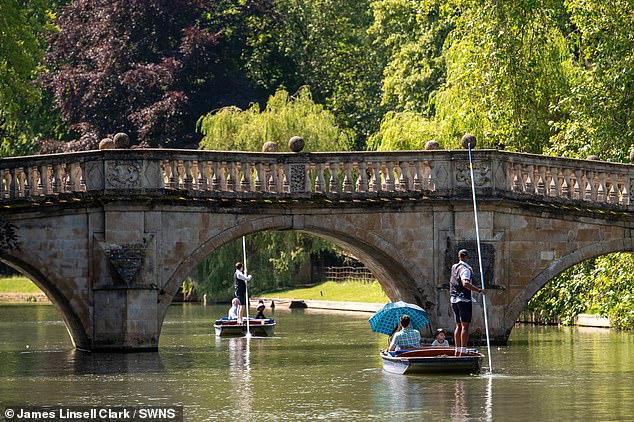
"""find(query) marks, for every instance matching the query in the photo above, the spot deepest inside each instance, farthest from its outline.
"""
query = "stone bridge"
(110, 235)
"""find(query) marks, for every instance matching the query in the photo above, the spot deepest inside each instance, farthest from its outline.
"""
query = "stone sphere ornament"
(269, 147)
(121, 140)
(106, 143)
(468, 140)
(596, 157)
(432, 145)
(296, 144)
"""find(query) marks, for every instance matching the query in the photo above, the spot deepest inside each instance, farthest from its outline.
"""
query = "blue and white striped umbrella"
(386, 319)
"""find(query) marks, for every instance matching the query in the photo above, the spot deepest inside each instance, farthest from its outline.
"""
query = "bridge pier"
(126, 320)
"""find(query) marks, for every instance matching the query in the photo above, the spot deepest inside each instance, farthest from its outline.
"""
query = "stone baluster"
(549, 182)
(320, 182)
(187, 175)
(272, 180)
(71, 177)
(529, 186)
(333, 185)
(362, 181)
(29, 189)
(418, 176)
(625, 192)
(389, 177)
(82, 179)
(259, 177)
(203, 175)
(245, 180)
(552, 186)
(14, 186)
(566, 190)
(286, 178)
(576, 192)
(516, 177)
(601, 189)
(173, 180)
(57, 183)
(215, 179)
(403, 179)
(231, 178)
(4, 187)
(541, 181)
(347, 178)
(375, 183)
(612, 189)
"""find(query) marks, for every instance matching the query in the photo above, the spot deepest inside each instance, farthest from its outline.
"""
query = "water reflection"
(240, 373)
(85, 363)
(319, 366)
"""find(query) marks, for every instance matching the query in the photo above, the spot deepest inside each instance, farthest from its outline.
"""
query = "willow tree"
(274, 257)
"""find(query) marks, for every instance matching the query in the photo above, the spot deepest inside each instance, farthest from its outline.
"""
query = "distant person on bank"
(460, 289)
(406, 338)
(233, 311)
(240, 281)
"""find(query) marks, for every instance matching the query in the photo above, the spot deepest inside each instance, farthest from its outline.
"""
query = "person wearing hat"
(440, 338)
(460, 289)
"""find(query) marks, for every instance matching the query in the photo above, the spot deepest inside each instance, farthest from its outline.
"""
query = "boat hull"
(432, 361)
(257, 328)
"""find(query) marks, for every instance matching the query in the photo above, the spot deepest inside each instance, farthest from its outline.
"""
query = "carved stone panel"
(298, 178)
(126, 261)
(481, 175)
(123, 174)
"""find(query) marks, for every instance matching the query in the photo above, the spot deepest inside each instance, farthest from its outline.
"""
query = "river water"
(318, 366)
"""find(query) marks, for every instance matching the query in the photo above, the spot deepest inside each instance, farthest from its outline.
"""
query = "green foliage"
(323, 44)
(601, 105)
(603, 285)
(284, 116)
(21, 53)
(272, 258)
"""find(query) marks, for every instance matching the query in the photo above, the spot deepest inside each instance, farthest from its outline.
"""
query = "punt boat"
(226, 327)
(431, 360)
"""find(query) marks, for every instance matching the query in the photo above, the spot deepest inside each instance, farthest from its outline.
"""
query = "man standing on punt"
(460, 289)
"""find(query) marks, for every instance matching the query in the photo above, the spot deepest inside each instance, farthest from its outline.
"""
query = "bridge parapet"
(354, 175)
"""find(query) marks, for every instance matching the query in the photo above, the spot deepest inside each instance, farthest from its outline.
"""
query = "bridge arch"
(379, 255)
(559, 266)
(70, 315)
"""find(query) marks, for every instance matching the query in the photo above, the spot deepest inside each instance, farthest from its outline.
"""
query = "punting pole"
(484, 299)
(246, 284)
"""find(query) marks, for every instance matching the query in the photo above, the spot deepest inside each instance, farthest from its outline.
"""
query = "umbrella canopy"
(386, 319)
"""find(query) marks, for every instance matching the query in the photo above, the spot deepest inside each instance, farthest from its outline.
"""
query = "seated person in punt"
(440, 338)
(233, 311)
(260, 310)
(406, 338)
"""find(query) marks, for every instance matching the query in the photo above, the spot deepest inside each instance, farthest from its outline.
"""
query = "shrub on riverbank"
(601, 286)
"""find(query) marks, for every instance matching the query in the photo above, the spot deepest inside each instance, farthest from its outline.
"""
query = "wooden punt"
(432, 360)
(257, 327)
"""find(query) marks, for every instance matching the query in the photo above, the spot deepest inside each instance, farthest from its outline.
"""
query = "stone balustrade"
(354, 175)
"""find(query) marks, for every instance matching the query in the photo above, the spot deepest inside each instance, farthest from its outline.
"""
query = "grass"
(18, 284)
(346, 291)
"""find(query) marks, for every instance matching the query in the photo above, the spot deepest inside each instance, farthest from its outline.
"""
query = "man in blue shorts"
(460, 289)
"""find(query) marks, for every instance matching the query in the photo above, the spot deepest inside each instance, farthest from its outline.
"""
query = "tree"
(21, 54)
(323, 44)
(135, 67)
(284, 116)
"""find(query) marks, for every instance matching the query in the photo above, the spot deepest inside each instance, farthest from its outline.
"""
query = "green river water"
(318, 366)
